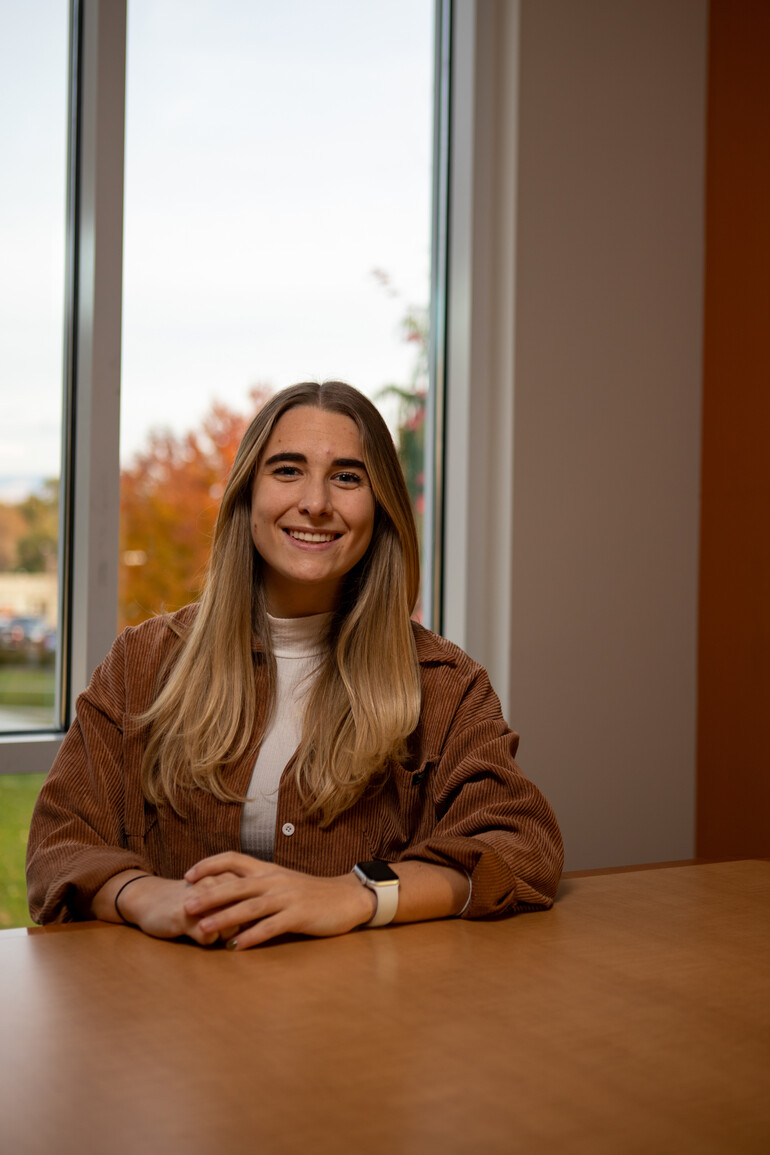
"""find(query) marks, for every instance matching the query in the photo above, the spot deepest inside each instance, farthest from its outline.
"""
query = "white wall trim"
(480, 350)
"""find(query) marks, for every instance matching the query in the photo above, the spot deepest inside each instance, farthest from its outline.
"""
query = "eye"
(286, 471)
(347, 477)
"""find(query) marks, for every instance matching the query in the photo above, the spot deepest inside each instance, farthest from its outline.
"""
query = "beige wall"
(607, 391)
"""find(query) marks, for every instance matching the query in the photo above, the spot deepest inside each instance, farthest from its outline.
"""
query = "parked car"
(23, 633)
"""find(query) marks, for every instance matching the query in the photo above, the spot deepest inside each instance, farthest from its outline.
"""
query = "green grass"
(26, 686)
(17, 797)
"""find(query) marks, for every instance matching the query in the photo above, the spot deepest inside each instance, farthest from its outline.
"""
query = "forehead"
(315, 433)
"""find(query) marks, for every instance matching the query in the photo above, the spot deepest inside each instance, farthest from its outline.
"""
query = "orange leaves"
(169, 497)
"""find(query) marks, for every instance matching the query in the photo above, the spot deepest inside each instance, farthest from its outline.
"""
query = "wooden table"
(633, 1017)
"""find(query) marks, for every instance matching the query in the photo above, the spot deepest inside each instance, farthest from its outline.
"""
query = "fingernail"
(233, 944)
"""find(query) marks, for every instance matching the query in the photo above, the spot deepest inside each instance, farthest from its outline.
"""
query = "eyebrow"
(301, 459)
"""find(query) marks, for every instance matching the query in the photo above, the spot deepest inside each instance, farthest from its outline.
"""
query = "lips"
(312, 536)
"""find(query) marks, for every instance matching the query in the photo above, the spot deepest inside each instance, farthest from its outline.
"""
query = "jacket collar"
(432, 649)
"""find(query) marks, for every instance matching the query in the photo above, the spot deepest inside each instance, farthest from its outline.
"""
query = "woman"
(296, 714)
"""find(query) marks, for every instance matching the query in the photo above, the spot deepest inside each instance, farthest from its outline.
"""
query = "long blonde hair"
(366, 699)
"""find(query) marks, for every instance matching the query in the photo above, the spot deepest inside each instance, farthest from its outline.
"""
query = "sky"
(276, 155)
(33, 122)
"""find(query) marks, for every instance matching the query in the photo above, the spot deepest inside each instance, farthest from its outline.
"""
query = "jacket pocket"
(401, 812)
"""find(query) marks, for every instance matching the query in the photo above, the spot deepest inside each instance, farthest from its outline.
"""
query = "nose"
(315, 499)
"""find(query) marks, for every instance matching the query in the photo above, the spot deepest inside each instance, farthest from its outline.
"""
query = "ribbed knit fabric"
(298, 647)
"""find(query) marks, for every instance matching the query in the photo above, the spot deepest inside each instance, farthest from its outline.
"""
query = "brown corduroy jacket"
(458, 799)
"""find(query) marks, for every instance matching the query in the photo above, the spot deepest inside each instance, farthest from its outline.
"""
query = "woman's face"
(312, 510)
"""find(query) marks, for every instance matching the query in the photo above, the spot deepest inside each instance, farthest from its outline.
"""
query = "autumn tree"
(169, 497)
(12, 529)
(29, 531)
(38, 547)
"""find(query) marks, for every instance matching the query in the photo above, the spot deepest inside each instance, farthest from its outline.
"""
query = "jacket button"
(287, 829)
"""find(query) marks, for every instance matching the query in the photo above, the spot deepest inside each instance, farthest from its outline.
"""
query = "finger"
(229, 933)
(208, 899)
(203, 938)
(211, 881)
(241, 913)
(261, 932)
(229, 860)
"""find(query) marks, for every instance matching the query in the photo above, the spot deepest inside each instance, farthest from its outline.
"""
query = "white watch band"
(386, 894)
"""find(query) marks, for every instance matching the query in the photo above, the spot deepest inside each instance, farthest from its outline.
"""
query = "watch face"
(378, 871)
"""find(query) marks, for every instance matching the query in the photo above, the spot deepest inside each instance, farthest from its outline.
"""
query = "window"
(90, 567)
(277, 229)
(34, 42)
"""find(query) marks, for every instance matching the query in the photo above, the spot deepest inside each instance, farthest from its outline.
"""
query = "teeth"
(314, 537)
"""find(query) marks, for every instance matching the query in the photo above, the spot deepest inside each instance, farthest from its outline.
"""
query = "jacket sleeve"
(490, 819)
(77, 837)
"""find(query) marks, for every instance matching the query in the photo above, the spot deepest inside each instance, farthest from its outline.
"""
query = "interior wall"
(734, 662)
(607, 387)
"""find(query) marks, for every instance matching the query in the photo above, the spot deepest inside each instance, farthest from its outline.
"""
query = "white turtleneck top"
(298, 647)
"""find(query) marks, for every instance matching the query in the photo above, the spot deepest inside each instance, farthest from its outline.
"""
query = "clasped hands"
(244, 901)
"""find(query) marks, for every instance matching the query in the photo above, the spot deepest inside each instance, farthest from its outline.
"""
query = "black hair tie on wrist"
(117, 896)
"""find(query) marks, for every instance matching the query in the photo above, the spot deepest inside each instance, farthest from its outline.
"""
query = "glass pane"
(277, 229)
(34, 46)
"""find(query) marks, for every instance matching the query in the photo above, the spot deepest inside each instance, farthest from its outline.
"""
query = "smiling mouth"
(311, 535)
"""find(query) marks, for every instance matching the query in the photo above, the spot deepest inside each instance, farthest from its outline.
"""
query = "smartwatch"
(383, 881)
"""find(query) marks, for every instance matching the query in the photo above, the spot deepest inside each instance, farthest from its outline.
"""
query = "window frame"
(90, 503)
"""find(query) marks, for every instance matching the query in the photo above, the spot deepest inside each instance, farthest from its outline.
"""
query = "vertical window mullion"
(95, 402)
(433, 527)
(66, 496)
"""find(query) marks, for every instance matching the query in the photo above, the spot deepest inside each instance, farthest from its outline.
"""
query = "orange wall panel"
(733, 783)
